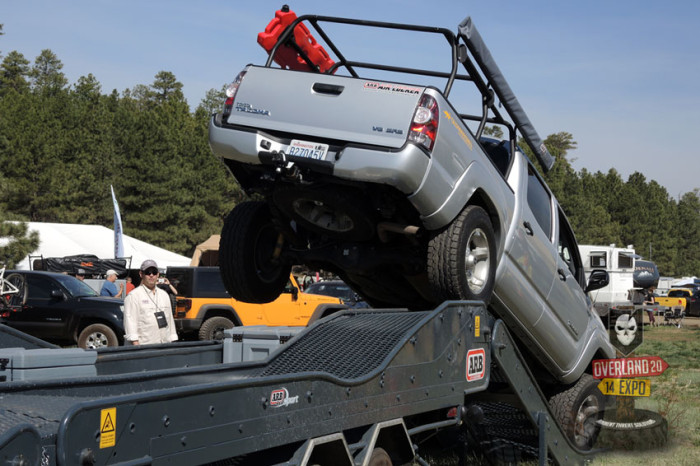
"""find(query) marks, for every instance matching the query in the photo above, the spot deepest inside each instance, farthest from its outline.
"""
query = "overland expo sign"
(619, 375)
(625, 387)
(647, 366)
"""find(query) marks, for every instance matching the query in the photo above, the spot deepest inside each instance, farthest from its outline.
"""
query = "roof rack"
(467, 48)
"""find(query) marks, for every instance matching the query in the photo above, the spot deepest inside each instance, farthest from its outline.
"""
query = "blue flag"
(118, 237)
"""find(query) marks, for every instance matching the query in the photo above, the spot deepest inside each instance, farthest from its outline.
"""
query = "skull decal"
(626, 329)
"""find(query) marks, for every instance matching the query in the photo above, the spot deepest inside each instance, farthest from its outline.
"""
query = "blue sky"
(621, 76)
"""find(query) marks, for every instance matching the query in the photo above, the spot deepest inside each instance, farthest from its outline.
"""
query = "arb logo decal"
(476, 364)
(280, 397)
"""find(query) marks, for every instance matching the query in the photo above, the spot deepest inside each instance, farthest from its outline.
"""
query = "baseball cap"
(80, 272)
(110, 272)
(147, 264)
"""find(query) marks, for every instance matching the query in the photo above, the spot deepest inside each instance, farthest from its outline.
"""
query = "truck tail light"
(425, 122)
(231, 91)
(182, 306)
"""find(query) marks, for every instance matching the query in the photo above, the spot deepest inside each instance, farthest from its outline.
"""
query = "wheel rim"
(477, 261)
(585, 426)
(96, 340)
(323, 215)
(218, 333)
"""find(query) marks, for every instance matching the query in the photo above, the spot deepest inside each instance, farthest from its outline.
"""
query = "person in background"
(80, 275)
(649, 299)
(109, 288)
(148, 316)
(129, 285)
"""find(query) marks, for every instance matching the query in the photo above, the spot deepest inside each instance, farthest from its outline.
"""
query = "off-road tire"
(213, 328)
(647, 431)
(97, 336)
(462, 255)
(248, 240)
(578, 410)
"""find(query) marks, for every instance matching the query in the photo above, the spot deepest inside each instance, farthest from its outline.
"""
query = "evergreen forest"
(62, 145)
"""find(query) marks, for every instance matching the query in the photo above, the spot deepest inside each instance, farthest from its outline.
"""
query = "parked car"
(337, 289)
(692, 299)
(204, 307)
(63, 309)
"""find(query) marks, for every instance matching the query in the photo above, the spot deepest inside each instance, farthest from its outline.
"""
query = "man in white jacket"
(148, 316)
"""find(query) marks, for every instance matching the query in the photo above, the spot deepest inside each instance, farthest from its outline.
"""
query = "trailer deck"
(347, 386)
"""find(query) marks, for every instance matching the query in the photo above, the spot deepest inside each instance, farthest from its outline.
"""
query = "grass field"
(675, 395)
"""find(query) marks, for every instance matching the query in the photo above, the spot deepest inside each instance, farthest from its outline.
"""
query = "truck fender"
(211, 310)
(79, 324)
(475, 178)
(324, 310)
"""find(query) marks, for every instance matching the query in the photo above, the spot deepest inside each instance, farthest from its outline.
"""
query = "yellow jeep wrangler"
(203, 306)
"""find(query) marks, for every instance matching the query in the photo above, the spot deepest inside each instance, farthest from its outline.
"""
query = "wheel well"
(222, 312)
(84, 323)
(324, 310)
(479, 198)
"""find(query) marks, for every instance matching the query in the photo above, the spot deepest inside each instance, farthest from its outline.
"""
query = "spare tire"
(646, 431)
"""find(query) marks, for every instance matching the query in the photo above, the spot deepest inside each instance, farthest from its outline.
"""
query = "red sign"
(646, 366)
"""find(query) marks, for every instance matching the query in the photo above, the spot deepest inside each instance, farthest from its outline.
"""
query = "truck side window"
(39, 287)
(568, 251)
(539, 200)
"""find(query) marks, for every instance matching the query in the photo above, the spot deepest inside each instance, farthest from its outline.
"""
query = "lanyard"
(148, 293)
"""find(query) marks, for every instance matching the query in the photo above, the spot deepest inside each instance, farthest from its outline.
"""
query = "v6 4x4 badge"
(280, 397)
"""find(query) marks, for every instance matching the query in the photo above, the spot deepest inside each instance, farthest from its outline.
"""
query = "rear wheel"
(578, 410)
(462, 258)
(97, 336)
(249, 255)
(213, 328)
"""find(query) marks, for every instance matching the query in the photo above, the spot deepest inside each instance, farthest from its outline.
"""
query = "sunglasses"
(151, 272)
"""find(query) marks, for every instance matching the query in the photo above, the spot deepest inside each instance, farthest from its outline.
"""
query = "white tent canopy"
(65, 239)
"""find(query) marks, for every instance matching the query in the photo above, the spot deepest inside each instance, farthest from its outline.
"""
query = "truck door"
(567, 303)
(43, 315)
(289, 308)
(530, 263)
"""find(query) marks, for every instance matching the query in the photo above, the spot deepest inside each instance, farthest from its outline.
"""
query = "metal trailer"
(361, 387)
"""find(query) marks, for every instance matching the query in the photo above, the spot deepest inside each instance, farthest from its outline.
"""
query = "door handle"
(328, 89)
(562, 275)
(528, 228)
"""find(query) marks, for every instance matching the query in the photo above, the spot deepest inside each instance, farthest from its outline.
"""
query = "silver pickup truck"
(382, 182)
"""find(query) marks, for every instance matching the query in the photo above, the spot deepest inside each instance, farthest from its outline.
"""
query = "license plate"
(309, 150)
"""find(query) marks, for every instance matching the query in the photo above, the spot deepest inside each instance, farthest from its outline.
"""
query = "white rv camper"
(619, 263)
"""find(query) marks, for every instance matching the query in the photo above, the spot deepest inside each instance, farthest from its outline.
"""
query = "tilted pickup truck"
(382, 182)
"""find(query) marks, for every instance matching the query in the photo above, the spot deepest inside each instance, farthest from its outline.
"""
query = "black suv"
(61, 308)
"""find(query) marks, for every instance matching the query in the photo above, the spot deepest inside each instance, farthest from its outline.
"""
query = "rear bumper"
(188, 325)
(404, 168)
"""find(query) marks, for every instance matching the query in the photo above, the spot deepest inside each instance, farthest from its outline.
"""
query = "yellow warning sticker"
(108, 421)
(477, 326)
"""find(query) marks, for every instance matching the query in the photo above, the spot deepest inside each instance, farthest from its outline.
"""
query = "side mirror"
(295, 294)
(56, 294)
(598, 279)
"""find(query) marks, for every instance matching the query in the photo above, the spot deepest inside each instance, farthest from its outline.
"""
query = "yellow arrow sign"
(625, 387)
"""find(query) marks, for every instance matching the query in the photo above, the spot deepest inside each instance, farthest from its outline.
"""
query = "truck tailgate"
(325, 106)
